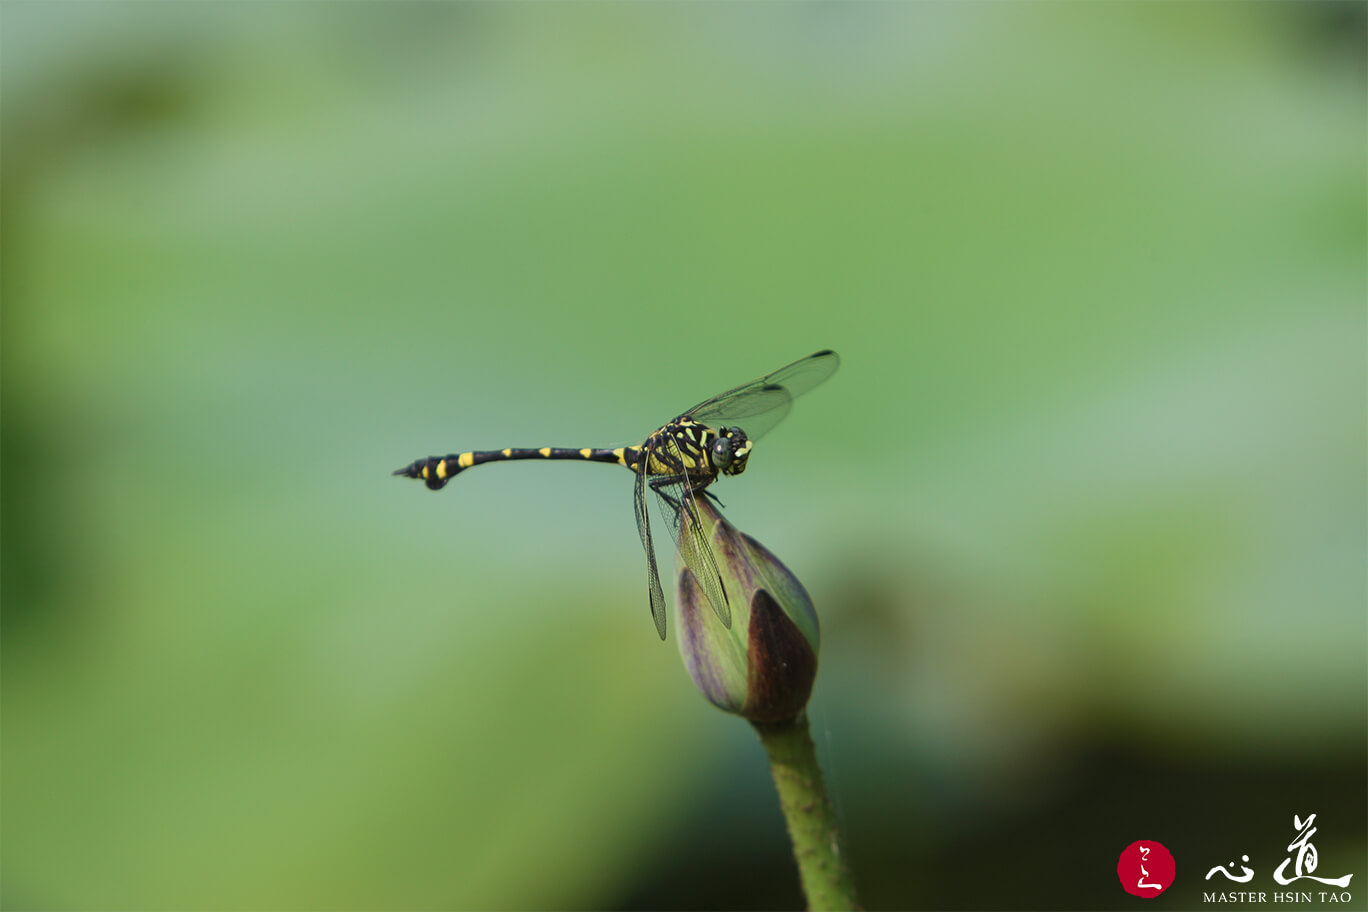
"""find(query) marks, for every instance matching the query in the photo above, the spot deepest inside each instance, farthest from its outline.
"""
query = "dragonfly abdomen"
(436, 471)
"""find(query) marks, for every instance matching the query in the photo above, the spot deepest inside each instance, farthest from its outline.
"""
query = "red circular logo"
(1145, 868)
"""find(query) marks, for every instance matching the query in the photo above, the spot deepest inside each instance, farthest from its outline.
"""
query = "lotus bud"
(763, 667)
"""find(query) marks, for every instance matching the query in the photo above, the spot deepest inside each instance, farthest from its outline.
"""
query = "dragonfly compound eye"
(731, 451)
(722, 453)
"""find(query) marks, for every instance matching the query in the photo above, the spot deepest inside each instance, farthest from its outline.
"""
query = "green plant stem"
(809, 814)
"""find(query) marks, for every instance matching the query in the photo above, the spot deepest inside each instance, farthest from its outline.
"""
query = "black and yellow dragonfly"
(678, 461)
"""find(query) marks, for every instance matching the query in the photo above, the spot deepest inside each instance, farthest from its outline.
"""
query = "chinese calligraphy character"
(1307, 856)
(1248, 872)
(1140, 884)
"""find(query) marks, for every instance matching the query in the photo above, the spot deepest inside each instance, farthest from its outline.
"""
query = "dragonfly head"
(730, 450)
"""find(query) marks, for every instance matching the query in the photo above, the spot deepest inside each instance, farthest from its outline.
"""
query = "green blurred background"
(1083, 512)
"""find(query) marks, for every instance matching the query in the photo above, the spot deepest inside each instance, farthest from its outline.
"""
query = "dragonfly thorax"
(696, 451)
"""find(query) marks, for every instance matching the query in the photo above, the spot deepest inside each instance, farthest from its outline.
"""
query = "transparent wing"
(676, 495)
(758, 406)
(643, 521)
(756, 410)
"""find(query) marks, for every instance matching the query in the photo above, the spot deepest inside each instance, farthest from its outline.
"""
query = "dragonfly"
(678, 462)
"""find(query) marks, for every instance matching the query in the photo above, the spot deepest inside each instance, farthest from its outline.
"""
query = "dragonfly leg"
(660, 483)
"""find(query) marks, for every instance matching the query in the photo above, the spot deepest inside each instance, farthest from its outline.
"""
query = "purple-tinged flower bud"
(763, 667)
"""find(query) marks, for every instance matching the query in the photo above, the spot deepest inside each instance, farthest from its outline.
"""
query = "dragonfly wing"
(698, 557)
(761, 404)
(756, 410)
(677, 498)
(643, 521)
